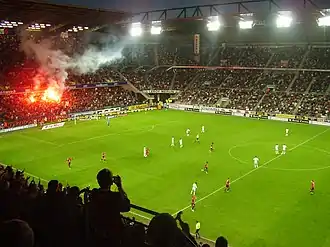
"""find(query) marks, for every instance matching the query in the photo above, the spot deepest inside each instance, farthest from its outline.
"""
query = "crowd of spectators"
(318, 58)
(19, 109)
(281, 102)
(302, 82)
(314, 105)
(278, 80)
(287, 57)
(321, 83)
(159, 78)
(62, 215)
(146, 67)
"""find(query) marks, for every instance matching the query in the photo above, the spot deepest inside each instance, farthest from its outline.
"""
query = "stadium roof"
(42, 12)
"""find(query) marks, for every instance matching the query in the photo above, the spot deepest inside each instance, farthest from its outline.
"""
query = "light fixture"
(323, 21)
(245, 24)
(213, 23)
(284, 19)
(136, 29)
(156, 28)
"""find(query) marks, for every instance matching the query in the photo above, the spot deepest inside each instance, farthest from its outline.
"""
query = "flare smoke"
(55, 63)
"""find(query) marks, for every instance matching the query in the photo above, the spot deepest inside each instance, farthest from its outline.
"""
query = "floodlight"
(69, 30)
(213, 24)
(284, 21)
(156, 27)
(136, 29)
(48, 25)
(86, 28)
(245, 24)
(155, 30)
(20, 23)
(323, 21)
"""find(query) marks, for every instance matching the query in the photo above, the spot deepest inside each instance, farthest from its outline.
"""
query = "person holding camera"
(105, 207)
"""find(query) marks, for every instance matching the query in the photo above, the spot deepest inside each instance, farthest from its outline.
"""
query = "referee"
(198, 227)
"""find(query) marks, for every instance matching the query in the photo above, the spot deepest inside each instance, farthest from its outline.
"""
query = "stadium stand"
(57, 215)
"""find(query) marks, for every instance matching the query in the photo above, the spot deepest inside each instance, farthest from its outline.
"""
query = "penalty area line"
(251, 171)
(142, 130)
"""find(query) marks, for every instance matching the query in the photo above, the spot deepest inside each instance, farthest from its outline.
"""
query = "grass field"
(269, 206)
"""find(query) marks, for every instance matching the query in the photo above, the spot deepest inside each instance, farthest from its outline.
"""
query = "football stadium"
(198, 126)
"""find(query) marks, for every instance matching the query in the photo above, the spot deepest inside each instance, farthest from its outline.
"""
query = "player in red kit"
(193, 203)
(103, 158)
(69, 160)
(312, 187)
(206, 167)
(227, 186)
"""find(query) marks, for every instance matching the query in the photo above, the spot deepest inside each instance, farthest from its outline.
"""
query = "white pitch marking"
(251, 171)
(110, 134)
(38, 140)
(147, 218)
(29, 174)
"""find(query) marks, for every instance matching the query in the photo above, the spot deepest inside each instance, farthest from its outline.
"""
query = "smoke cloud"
(55, 63)
(92, 59)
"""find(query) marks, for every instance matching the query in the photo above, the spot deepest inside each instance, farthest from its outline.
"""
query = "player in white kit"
(194, 189)
(286, 132)
(203, 129)
(145, 155)
(256, 162)
(284, 147)
(188, 132)
(173, 142)
(197, 138)
(277, 149)
(181, 143)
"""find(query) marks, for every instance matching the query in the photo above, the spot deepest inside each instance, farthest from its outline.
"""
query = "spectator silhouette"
(221, 242)
(105, 208)
(162, 231)
(16, 233)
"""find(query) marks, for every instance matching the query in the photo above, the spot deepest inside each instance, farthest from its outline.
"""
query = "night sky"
(135, 6)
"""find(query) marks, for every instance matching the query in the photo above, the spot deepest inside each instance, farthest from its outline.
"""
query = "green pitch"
(270, 206)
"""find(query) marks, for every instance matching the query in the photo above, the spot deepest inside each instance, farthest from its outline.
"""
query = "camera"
(116, 179)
